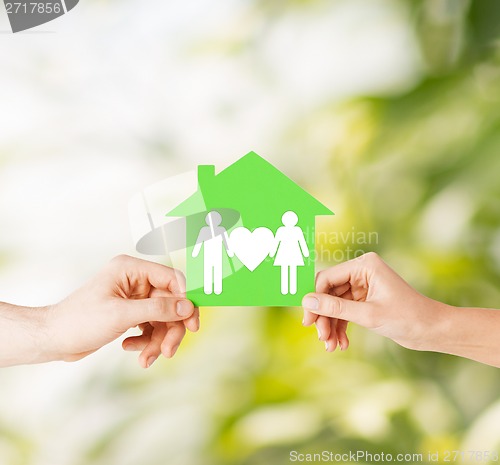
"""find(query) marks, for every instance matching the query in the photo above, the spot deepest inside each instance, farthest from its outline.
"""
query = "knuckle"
(178, 282)
(179, 274)
(157, 306)
(180, 277)
(371, 259)
(321, 279)
(120, 260)
(374, 257)
(334, 307)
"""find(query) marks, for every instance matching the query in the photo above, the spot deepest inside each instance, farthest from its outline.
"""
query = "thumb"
(336, 307)
(165, 309)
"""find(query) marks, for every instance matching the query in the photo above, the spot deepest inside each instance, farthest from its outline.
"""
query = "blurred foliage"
(399, 163)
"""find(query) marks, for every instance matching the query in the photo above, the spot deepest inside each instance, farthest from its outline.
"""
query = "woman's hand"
(367, 292)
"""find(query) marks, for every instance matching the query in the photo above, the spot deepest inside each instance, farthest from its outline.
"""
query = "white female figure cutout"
(290, 249)
(212, 237)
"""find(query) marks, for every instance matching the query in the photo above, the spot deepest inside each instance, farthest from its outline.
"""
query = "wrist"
(40, 334)
(23, 335)
(52, 343)
(432, 326)
(471, 333)
(39, 339)
(442, 333)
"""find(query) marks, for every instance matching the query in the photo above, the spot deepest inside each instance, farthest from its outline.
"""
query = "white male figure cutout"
(290, 248)
(213, 237)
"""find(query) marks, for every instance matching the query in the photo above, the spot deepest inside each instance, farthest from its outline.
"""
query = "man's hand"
(367, 292)
(129, 292)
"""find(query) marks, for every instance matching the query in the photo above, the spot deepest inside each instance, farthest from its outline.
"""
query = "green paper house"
(249, 236)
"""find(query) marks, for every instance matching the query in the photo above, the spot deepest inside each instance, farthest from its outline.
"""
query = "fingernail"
(327, 345)
(184, 308)
(319, 333)
(310, 302)
(130, 347)
(303, 322)
(150, 361)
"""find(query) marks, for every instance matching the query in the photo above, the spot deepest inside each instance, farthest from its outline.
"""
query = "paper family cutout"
(288, 248)
(250, 236)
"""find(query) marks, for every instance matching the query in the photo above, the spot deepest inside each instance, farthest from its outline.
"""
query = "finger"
(151, 352)
(341, 274)
(193, 322)
(159, 276)
(131, 312)
(337, 290)
(172, 339)
(323, 327)
(332, 342)
(336, 307)
(342, 334)
(135, 343)
(76, 357)
(335, 276)
(309, 318)
(347, 295)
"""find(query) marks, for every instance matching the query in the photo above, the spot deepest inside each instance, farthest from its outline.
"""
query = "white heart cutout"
(251, 247)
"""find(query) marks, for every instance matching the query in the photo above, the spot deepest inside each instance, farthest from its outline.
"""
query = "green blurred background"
(388, 111)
